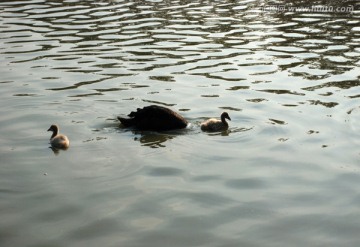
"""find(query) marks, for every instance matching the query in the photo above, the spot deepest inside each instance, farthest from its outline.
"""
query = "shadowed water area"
(286, 173)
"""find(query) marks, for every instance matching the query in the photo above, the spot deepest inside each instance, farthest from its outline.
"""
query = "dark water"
(287, 173)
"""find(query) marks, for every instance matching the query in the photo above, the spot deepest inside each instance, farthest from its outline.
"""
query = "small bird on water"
(58, 141)
(213, 124)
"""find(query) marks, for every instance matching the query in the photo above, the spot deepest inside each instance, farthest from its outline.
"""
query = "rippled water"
(287, 173)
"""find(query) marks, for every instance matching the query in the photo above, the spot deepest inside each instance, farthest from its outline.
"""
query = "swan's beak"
(228, 117)
(49, 129)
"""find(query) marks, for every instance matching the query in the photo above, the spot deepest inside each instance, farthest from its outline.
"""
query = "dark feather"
(154, 117)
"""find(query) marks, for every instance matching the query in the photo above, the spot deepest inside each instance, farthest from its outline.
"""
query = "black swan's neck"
(223, 120)
(55, 132)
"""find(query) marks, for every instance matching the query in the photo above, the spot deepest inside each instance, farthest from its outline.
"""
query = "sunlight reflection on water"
(285, 173)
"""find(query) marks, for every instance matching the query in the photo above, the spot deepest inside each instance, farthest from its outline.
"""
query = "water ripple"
(283, 174)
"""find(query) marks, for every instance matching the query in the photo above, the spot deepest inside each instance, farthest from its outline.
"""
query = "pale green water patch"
(284, 173)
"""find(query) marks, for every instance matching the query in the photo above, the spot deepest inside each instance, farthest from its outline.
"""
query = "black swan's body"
(154, 117)
(213, 124)
(58, 141)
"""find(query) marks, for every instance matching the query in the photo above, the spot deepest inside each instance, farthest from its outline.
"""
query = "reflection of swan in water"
(58, 141)
(154, 117)
(213, 124)
(55, 150)
(153, 139)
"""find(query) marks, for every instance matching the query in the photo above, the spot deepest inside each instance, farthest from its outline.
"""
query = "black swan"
(58, 141)
(154, 117)
(213, 124)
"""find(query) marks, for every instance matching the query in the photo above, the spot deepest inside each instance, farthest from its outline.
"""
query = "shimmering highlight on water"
(286, 172)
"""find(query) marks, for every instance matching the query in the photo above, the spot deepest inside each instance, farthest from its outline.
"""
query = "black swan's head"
(53, 128)
(224, 116)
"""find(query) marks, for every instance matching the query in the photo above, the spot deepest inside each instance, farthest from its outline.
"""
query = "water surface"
(286, 173)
